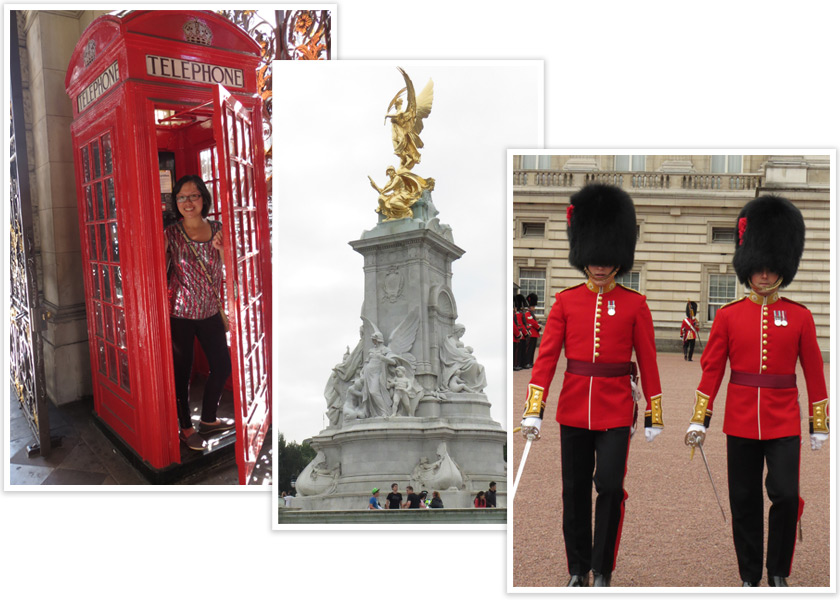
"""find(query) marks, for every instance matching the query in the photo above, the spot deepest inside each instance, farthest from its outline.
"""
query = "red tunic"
(532, 324)
(580, 320)
(755, 341)
(689, 328)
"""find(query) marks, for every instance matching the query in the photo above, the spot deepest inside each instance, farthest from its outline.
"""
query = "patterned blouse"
(190, 294)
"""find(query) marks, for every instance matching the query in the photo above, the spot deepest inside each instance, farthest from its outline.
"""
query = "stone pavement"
(87, 456)
(673, 533)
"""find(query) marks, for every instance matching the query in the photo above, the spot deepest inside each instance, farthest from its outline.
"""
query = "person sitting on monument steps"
(601, 324)
(436, 500)
(763, 335)
(194, 256)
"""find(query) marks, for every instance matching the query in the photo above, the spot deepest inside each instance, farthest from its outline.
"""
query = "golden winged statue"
(403, 187)
(407, 123)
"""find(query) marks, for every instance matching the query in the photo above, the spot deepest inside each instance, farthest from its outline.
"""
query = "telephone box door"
(248, 270)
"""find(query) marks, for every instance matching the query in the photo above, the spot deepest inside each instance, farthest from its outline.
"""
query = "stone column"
(50, 38)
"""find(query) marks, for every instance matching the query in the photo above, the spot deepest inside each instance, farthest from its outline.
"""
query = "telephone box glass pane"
(88, 203)
(103, 242)
(115, 243)
(100, 346)
(100, 204)
(97, 168)
(86, 164)
(106, 153)
(106, 283)
(109, 323)
(124, 378)
(120, 316)
(97, 309)
(118, 292)
(112, 201)
(112, 363)
(95, 278)
(92, 245)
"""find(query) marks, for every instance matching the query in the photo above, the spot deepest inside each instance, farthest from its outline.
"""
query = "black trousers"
(587, 456)
(745, 460)
(211, 335)
(532, 347)
(688, 348)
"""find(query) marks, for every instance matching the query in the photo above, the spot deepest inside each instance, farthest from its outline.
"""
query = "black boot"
(579, 581)
(600, 579)
(776, 581)
(750, 584)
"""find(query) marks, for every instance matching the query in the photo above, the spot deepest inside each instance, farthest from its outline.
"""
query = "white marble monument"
(406, 405)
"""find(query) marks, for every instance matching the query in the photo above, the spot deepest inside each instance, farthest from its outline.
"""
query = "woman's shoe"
(193, 441)
(216, 427)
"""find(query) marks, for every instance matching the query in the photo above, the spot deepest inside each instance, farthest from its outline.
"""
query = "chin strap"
(769, 288)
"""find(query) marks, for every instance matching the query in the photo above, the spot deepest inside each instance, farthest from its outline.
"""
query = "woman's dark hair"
(479, 495)
(206, 199)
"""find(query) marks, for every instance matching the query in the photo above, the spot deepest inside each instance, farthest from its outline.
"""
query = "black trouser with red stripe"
(604, 453)
(745, 460)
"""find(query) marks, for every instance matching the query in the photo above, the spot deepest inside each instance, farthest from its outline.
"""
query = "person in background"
(480, 501)
(373, 503)
(689, 329)
(437, 502)
(394, 498)
(490, 495)
(412, 500)
(520, 332)
(533, 328)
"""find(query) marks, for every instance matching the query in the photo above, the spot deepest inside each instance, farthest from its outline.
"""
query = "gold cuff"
(534, 405)
(656, 411)
(700, 410)
(820, 418)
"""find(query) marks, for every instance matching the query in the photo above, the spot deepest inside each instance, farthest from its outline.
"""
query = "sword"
(521, 467)
(695, 440)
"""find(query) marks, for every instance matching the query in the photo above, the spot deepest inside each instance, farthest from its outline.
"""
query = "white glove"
(531, 427)
(696, 427)
(817, 440)
(652, 432)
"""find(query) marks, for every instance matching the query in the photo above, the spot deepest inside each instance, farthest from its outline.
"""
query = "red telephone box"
(157, 95)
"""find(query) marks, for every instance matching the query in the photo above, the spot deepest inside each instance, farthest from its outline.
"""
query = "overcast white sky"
(329, 135)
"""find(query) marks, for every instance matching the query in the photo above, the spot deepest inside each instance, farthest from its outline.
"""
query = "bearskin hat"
(770, 234)
(690, 309)
(533, 299)
(519, 301)
(601, 225)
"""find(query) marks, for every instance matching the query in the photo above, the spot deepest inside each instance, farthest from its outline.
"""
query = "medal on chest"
(611, 307)
(780, 318)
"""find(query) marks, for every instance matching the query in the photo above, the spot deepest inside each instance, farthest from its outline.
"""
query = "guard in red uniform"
(600, 323)
(762, 335)
(533, 330)
(689, 329)
(519, 348)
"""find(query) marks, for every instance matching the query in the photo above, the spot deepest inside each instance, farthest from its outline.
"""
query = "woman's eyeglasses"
(190, 198)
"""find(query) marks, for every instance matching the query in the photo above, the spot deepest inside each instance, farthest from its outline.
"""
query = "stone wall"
(678, 202)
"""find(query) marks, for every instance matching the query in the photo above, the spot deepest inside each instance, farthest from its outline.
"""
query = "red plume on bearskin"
(602, 228)
(773, 238)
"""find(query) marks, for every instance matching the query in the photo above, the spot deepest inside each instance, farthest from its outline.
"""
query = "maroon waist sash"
(588, 369)
(763, 380)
